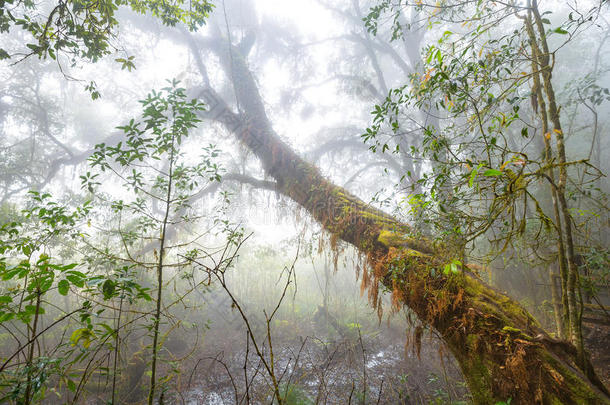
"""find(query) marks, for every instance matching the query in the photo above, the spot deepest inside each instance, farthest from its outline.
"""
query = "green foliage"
(483, 172)
(160, 184)
(499, 177)
(167, 119)
(31, 272)
(23, 261)
(39, 371)
(101, 269)
(137, 162)
(452, 268)
(83, 29)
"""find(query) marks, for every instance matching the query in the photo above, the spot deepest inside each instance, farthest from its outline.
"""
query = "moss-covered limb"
(504, 353)
(553, 382)
(501, 349)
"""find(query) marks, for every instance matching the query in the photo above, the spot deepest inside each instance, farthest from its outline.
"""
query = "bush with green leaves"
(83, 29)
(77, 278)
(502, 179)
(160, 185)
(73, 31)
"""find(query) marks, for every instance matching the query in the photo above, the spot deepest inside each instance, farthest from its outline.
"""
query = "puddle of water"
(376, 359)
(198, 397)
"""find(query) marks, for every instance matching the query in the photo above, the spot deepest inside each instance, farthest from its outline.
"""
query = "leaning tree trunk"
(502, 350)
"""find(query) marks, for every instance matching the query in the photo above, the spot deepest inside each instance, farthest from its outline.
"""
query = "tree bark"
(500, 347)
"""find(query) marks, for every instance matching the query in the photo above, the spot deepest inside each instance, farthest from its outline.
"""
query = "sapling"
(152, 165)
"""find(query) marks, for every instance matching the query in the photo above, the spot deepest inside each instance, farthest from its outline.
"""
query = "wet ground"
(361, 369)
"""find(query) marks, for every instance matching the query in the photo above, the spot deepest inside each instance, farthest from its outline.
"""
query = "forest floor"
(370, 365)
(380, 365)
(326, 361)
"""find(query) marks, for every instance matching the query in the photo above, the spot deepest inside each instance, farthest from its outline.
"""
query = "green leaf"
(95, 280)
(453, 267)
(6, 317)
(31, 309)
(560, 30)
(109, 330)
(69, 266)
(63, 287)
(76, 280)
(11, 273)
(473, 174)
(108, 289)
(71, 385)
(430, 55)
(492, 172)
(524, 132)
(75, 272)
(83, 334)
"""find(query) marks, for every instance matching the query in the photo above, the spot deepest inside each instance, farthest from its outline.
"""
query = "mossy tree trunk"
(501, 349)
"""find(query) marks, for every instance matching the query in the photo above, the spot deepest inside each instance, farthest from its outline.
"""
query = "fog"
(235, 248)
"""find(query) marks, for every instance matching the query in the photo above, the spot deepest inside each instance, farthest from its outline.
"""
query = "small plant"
(295, 395)
(160, 186)
(33, 274)
(54, 273)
